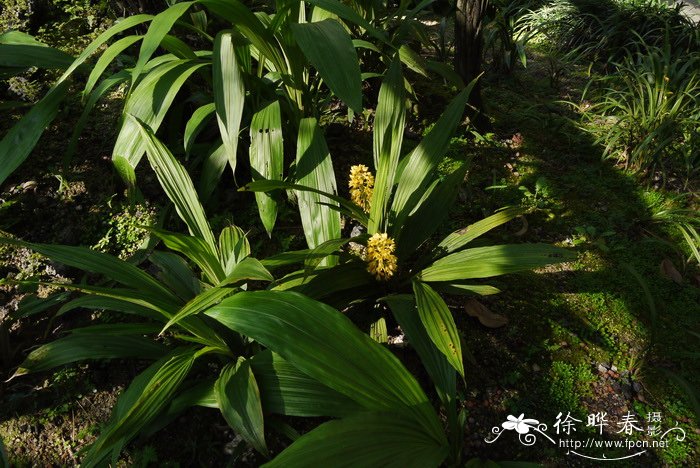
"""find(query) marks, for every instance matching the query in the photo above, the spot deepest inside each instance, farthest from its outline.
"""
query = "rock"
(602, 369)
(637, 387)
(613, 368)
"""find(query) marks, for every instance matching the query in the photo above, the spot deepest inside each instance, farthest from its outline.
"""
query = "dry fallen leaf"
(669, 271)
(487, 318)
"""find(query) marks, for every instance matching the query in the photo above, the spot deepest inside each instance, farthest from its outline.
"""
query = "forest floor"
(607, 333)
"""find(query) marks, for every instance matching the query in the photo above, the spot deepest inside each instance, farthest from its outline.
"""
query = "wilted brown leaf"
(668, 270)
(487, 318)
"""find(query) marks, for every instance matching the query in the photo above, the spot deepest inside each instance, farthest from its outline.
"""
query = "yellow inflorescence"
(381, 261)
(361, 185)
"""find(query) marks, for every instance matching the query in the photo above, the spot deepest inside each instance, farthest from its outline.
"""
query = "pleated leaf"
(149, 102)
(328, 46)
(284, 389)
(462, 237)
(196, 250)
(178, 186)
(33, 55)
(147, 398)
(107, 57)
(89, 345)
(388, 137)
(23, 136)
(485, 262)
(314, 169)
(196, 124)
(326, 345)
(267, 157)
(199, 303)
(233, 247)
(98, 262)
(245, 21)
(439, 324)
(423, 161)
(212, 170)
(229, 94)
(159, 27)
(429, 213)
(435, 362)
(389, 440)
(344, 206)
(238, 397)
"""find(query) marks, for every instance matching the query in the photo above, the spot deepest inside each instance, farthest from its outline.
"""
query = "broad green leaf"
(314, 169)
(196, 250)
(159, 27)
(267, 157)
(176, 274)
(485, 262)
(248, 269)
(107, 57)
(423, 161)
(97, 262)
(413, 60)
(389, 440)
(177, 47)
(229, 94)
(178, 186)
(328, 46)
(109, 303)
(284, 389)
(388, 137)
(462, 237)
(435, 362)
(196, 124)
(351, 209)
(324, 344)
(89, 344)
(378, 332)
(199, 303)
(290, 257)
(341, 284)
(32, 304)
(212, 170)
(19, 37)
(239, 400)
(233, 247)
(323, 251)
(446, 71)
(429, 213)
(149, 102)
(439, 324)
(349, 14)
(243, 19)
(462, 289)
(23, 136)
(156, 391)
(32, 55)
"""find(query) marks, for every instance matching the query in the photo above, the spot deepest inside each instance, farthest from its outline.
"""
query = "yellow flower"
(361, 185)
(381, 261)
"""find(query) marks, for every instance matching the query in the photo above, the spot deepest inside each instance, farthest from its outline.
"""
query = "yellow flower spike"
(381, 261)
(361, 185)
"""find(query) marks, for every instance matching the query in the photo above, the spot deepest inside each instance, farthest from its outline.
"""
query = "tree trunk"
(469, 17)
